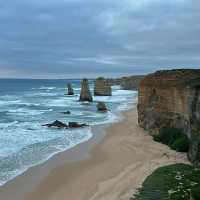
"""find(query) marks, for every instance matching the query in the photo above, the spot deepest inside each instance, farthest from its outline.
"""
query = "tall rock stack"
(85, 91)
(70, 90)
(102, 87)
(171, 98)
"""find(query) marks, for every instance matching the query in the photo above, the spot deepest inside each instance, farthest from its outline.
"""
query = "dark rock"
(67, 113)
(76, 125)
(101, 106)
(70, 89)
(85, 91)
(56, 124)
(102, 87)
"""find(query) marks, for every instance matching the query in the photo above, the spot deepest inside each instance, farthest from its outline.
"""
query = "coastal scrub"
(173, 182)
(174, 138)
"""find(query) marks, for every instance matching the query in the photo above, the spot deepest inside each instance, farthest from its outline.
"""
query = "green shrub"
(173, 182)
(174, 138)
(195, 192)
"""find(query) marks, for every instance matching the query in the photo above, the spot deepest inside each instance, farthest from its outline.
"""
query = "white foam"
(17, 135)
(83, 138)
(26, 111)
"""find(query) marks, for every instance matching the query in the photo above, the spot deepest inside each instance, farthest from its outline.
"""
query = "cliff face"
(130, 82)
(127, 82)
(102, 87)
(171, 98)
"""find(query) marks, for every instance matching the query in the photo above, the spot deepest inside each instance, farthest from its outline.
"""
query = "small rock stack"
(102, 87)
(85, 91)
(70, 89)
(101, 106)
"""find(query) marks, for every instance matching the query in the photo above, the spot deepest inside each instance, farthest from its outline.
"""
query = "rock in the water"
(171, 98)
(101, 106)
(85, 91)
(70, 89)
(57, 124)
(102, 87)
(67, 113)
(76, 125)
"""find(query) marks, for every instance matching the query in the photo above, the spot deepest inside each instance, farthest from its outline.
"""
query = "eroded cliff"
(171, 98)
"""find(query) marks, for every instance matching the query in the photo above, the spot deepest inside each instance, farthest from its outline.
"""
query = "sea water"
(25, 105)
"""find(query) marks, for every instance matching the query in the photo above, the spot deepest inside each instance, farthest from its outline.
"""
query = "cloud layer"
(71, 38)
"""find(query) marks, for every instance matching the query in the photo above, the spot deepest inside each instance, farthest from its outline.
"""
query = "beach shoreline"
(111, 165)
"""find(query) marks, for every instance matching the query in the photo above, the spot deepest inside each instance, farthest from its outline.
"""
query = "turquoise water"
(27, 104)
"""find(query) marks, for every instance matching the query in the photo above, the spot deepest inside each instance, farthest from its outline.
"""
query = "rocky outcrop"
(85, 91)
(171, 98)
(70, 90)
(59, 124)
(56, 124)
(101, 106)
(102, 87)
(76, 125)
(130, 82)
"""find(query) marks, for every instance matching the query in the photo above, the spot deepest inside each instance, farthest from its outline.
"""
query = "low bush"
(173, 182)
(174, 138)
(195, 192)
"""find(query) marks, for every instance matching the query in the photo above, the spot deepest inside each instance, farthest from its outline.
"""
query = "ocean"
(25, 105)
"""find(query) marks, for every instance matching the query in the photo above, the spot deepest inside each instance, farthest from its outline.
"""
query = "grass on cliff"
(174, 138)
(173, 182)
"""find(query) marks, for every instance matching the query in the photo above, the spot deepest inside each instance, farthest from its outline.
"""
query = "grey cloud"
(97, 37)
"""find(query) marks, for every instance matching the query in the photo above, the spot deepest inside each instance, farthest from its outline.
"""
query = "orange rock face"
(171, 98)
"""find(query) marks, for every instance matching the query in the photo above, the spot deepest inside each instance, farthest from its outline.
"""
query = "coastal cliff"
(171, 98)
(130, 82)
(127, 82)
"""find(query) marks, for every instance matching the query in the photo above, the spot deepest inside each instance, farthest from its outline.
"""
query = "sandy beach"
(111, 166)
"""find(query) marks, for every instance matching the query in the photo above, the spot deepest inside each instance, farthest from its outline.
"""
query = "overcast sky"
(76, 38)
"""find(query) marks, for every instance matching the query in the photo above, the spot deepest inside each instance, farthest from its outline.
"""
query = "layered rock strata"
(130, 82)
(85, 91)
(102, 87)
(171, 98)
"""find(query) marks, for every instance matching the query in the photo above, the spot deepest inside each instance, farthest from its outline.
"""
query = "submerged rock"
(85, 91)
(101, 106)
(56, 124)
(102, 87)
(66, 113)
(70, 90)
(76, 125)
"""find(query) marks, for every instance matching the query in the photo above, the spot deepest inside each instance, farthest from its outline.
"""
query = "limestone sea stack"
(171, 98)
(70, 90)
(102, 87)
(85, 91)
